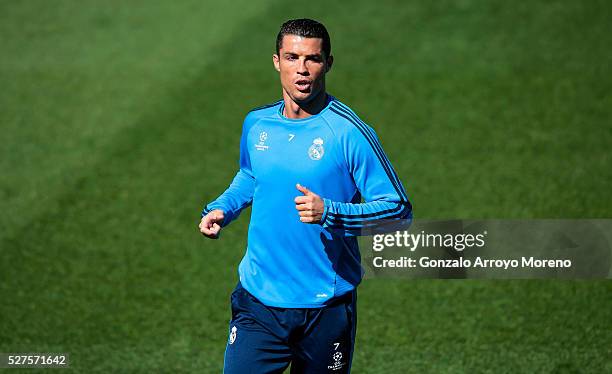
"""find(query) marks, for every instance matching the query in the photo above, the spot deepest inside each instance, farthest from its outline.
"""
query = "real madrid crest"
(316, 150)
(232, 337)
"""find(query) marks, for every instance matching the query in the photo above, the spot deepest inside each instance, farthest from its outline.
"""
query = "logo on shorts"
(316, 150)
(337, 357)
(232, 337)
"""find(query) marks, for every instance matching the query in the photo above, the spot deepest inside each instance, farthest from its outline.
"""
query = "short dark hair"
(307, 28)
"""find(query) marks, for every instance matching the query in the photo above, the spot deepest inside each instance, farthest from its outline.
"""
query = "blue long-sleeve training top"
(334, 154)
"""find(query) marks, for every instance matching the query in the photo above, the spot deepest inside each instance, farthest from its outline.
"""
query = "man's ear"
(276, 61)
(329, 63)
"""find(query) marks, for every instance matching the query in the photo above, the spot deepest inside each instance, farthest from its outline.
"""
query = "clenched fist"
(210, 225)
(310, 206)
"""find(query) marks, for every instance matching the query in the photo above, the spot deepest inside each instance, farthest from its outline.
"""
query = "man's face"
(302, 65)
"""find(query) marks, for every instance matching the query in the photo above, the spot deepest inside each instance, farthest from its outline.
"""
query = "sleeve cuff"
(205, 211)
(226, 217)
(326, 207)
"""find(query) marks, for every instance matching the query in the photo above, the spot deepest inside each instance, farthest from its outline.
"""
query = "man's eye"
(291, 58)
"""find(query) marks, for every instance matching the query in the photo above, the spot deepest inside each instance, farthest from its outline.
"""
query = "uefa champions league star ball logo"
(261, 146)
(232, 337)
(337, 364)
(316, 150)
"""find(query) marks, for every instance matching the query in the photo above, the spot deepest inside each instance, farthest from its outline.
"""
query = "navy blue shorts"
(266, 339)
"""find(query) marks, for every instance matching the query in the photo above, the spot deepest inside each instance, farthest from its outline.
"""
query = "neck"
(296, 110)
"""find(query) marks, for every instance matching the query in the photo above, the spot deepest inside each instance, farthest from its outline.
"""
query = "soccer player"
(317, 177)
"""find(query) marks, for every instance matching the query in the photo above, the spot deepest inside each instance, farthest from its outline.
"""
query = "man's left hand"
(310, 205)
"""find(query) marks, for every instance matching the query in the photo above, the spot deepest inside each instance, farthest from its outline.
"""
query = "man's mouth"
(303, 84)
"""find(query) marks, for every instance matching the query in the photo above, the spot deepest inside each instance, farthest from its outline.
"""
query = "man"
(306, 162)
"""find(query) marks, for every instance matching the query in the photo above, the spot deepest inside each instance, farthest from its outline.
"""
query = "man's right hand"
(210, 225)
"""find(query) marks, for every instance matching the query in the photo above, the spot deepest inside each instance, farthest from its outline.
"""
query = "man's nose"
(302, 67)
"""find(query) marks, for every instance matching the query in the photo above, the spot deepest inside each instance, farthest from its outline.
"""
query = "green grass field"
(119, 121)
